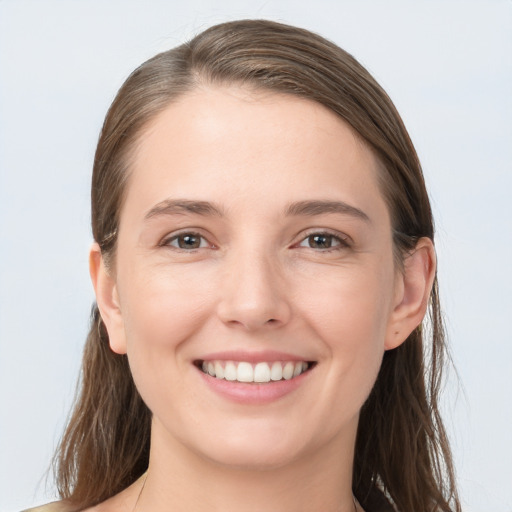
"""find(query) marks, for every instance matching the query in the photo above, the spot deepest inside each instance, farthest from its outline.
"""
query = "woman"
(263, 261)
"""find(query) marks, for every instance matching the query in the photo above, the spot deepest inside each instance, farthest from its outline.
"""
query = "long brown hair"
(402, 453)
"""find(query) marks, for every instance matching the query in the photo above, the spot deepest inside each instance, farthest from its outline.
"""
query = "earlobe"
(107, 298)
(413, 292)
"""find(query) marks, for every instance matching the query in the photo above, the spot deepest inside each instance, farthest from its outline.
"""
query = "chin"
(253, 457)
(260, 446)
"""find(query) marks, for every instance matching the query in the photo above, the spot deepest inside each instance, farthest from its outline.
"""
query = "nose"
(253, 293)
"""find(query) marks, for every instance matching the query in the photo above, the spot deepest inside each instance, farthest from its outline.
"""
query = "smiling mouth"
(263, 372)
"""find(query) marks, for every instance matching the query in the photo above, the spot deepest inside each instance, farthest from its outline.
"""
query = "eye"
(187, 241)
(324, 241)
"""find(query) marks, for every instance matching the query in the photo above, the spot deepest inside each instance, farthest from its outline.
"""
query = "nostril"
(253, 313)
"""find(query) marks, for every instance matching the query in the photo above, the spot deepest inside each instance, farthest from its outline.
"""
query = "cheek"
(162, 311)
(351, 309)
(162, 306)
(350, 315)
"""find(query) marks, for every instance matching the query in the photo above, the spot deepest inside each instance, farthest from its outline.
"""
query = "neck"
(181, 480)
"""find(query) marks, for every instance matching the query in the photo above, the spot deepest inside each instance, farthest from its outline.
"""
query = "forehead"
(236, 144)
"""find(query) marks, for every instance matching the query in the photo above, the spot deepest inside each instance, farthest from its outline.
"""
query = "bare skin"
(293, 252)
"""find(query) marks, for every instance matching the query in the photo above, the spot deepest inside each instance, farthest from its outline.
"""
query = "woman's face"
(253, 243)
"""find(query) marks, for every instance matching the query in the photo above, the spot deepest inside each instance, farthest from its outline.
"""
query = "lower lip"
(253, 393)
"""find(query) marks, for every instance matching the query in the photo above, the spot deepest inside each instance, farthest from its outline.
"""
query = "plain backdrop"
(446, 64)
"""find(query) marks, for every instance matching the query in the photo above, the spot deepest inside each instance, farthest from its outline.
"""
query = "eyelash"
(167, 242)
(341, 241)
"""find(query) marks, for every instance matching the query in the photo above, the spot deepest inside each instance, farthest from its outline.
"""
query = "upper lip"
(252, 357)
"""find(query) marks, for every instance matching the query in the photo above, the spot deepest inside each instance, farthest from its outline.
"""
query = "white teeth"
(261, 372)
(230, 371)
(219, 371)
(288, 371)
(276, 372)
(244, 372)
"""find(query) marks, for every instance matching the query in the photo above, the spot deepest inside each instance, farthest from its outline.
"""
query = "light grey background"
(446, 64)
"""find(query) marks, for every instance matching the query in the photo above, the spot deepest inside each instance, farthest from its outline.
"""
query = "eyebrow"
(206, 208)
(183, 206)
(317, 207)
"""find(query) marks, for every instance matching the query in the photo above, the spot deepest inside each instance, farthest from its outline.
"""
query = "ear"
(412, 292)
(107, 299)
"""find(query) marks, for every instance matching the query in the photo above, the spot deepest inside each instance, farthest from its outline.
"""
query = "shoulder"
(56, 506)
